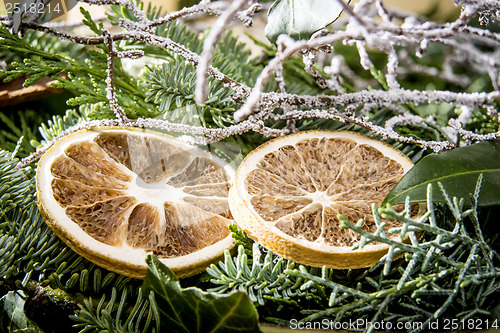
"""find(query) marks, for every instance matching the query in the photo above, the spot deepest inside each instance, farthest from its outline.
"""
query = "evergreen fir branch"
(14, 187)
(454, 260)
(96, 27)
(265, 276)
(92, 87)
(241, 238)
(32, 252)
(20, 131)
(54, 45)
(86, 79)
(34, 70)
(17, 45)
(171, 87)
(36, 251)
(233, 58)
(458, 264)
(50, 130)
(113, 315)
(92, 91)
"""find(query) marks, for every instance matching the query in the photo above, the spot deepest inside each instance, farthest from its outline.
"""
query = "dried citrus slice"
(114, 195)
(288, 192)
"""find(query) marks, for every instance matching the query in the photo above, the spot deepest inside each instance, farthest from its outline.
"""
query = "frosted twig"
(309, 59)
(122, 3)
(355, 19)
(479, 5)
(280, 80)
(399, 96)
(202, 7)
(471, 136)
(369, 25)
(110, 88)
(7, 21)
(81, 125)
(382, 11)
(334, 70)
(199, 134)
(266, 73)
(333, 114)
(245, 16)
(392, 66)
(363, 54)
(407, 119)
(209, 44)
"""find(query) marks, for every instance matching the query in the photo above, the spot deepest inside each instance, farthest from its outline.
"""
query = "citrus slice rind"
(288, 192)
(115, 195)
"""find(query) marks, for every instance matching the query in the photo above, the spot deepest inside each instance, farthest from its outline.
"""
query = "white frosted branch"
(407, 119)
(334, 114)
(471, 136)
(399, 96)
(246, 16)
(110, 87)
(123, 3)
(204, 6)
(334, 83)
(392, 66)
(81, 125)
(370, 25)
(382, 11)
(201, 92)
(292, 48)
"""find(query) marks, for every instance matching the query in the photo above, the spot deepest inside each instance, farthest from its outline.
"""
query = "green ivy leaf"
(13, 318)
(458, 171)
(300, 19)
(194, 310)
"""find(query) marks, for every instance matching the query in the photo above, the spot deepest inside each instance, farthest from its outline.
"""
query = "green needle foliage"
(452, 272)
(18, 132)
(36, 40)
(171, 88)
(33, 259)
(113, 315)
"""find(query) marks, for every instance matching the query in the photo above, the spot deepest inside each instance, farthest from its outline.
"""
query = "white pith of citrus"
(288, 192)
(114, 195)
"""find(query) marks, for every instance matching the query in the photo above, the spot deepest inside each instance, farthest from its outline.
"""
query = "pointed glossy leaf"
(300, 19)
(458, 171)
(12, 317)
(194, 310)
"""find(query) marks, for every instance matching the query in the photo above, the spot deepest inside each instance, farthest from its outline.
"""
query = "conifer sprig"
(453, 259)
(299, 85)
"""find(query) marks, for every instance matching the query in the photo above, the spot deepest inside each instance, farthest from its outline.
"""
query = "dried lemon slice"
(288, 192)
(115, 195)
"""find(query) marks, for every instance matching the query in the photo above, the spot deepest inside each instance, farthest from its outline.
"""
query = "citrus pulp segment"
(288, 192)
(114, 195)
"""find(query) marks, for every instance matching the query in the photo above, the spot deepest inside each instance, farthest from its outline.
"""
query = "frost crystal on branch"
(369, 26)
(209, 49)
